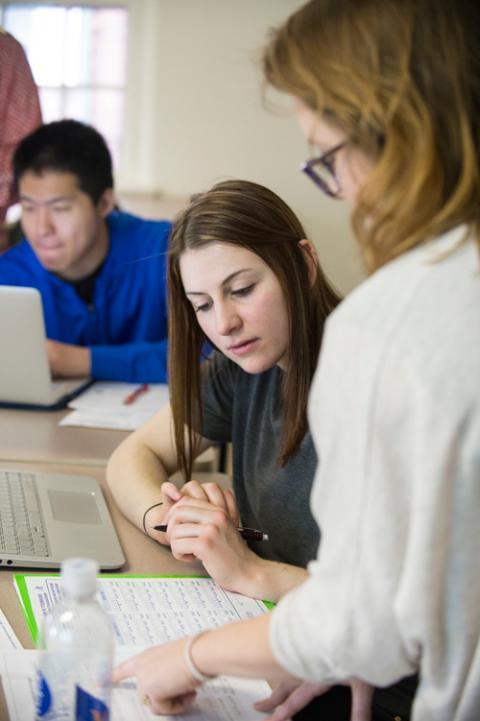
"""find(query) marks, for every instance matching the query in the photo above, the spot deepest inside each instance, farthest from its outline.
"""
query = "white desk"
(31, 436)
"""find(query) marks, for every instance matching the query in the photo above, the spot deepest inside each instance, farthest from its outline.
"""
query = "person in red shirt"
(20, 113)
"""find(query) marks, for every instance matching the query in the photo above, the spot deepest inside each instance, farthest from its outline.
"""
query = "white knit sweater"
(395, 415)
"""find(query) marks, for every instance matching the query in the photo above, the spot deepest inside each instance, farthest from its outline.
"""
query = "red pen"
(134, 395)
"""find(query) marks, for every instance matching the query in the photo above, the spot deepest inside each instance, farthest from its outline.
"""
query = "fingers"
(212, 493)
(279, 694)
(123, 670)
(190, 517)
(170, 492)
(200, 495)
(197, 530)
(191, 511)
(232, 509)
(216, 495)
(175, 705)
(197, 527)
(297, 699)
(163, 683)
(192, 504)
(362, 695)
(194, 489)
(183, 539)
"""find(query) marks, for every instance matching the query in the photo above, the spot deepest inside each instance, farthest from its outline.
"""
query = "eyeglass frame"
(308, 167)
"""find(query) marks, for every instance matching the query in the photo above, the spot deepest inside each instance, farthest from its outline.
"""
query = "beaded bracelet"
(145, 516)
(193, 670)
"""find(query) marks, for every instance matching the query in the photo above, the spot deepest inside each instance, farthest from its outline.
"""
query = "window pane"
(109, 56)
(51, 102)
(41, 32)
(78, 47)
(78, 59)
(72, 46)
(101, 108)
(96, 47)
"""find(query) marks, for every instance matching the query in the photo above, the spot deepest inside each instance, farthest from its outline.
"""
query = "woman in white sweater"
(389, 93)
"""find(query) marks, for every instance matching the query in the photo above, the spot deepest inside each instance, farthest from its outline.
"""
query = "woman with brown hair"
(388, 91)
(241, 275)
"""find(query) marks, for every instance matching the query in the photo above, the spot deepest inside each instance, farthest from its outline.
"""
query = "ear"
(311, 259)
(106, 202)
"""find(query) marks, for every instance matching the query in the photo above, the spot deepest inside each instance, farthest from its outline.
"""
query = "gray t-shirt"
(245, 409)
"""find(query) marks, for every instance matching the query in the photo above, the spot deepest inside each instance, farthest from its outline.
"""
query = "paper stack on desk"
(8, 638)
(119, 406)
(223, 699)
(144, 610)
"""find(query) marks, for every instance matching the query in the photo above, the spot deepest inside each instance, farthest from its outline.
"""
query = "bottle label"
(82, 707)
(54, 700)
(44, 700)
(90, 708)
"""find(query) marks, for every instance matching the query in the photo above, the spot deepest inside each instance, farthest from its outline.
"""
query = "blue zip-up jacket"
(126, 325)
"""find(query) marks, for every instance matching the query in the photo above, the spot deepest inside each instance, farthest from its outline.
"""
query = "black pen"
(249, 534)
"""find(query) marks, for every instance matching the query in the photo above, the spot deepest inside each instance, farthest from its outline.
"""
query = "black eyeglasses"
(322, 171)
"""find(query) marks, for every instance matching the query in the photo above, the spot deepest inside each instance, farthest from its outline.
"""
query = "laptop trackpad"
(74, 507)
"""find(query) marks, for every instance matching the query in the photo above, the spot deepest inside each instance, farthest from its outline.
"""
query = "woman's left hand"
(291, 696)
(163, 681)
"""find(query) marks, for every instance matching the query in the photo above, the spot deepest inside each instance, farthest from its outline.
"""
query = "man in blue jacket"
(101, 272)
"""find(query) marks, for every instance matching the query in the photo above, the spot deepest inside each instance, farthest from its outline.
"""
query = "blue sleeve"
(140, 362)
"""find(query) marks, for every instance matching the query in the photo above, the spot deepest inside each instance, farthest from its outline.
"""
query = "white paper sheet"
(224, 699)
(102, 405)
(145, 611)
(8, 638)
(85, 419)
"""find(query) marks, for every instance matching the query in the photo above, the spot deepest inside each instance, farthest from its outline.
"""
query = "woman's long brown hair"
(249, 215)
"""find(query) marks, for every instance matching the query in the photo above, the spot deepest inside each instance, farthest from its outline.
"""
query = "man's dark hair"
(67, 146)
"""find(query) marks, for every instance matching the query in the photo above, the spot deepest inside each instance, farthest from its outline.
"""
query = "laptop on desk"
(47, 517)
(25, 380)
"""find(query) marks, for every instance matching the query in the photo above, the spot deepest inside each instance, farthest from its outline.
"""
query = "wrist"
(270, 580)
(77, 361)
(254, 581)
(192, 667)
(145, 521)
(88, 362)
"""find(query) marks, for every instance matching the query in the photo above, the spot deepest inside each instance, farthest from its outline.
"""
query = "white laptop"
(25, 379)
(47, 517)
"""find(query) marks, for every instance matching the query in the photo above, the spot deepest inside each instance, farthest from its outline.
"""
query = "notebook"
(25, 379)
(47, 517)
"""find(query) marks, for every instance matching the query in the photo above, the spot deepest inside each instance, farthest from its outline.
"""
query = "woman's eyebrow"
(233, 275)
(225, 282)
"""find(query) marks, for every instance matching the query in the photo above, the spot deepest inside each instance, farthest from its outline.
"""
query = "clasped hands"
(202, 522)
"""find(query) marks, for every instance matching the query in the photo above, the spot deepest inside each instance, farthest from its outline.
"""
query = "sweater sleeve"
(140, 362)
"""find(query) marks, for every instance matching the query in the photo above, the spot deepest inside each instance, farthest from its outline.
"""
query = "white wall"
(196, 115)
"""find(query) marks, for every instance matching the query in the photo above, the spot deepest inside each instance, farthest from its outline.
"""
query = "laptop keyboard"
(21, 525)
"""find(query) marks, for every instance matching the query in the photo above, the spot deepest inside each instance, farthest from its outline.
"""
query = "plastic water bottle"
(77, 655)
